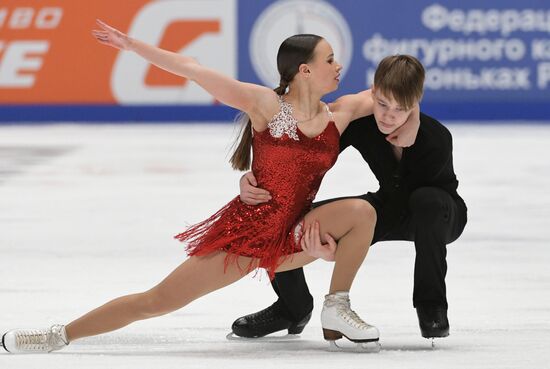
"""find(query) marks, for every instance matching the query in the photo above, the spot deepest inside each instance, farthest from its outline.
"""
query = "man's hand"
(405, 135)
(250, 194)
(311, 243)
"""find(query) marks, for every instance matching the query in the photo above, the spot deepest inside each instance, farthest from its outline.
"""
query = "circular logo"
(283, 19)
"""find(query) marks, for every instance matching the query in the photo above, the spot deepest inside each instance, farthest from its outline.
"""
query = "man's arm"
(250, 193)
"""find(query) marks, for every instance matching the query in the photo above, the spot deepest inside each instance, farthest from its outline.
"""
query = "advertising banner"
(484, 60)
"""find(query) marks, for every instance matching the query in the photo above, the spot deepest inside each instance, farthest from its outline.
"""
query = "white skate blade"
(269, 338)
(359, 347)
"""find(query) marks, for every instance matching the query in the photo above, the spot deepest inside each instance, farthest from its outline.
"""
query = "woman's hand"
(111, 37)
(311, 243)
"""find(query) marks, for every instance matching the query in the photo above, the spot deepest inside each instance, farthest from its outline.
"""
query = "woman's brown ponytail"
(240, 160)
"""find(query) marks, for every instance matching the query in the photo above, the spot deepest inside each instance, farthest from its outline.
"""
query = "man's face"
(388, 113)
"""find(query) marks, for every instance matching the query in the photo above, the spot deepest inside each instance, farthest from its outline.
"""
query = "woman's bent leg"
(195, 277)
(351, 222)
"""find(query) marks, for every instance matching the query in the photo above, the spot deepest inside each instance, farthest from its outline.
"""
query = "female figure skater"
(294, 138)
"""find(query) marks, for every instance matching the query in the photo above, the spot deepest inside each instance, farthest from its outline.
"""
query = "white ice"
(88, 214)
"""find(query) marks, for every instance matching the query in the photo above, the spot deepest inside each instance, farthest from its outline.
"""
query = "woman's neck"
(304, 102)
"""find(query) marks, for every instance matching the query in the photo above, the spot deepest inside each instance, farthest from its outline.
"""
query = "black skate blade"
(269, 338)
(3, 342)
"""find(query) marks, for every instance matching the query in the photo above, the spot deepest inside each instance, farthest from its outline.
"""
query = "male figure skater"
(417, 201)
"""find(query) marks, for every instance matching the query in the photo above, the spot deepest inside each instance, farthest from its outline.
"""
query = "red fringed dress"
(290, 166)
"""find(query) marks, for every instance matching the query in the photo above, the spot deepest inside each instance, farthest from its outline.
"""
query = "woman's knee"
(153, 303)
(362, 211)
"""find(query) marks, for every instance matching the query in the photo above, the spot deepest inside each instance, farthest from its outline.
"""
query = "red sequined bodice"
(290, 166)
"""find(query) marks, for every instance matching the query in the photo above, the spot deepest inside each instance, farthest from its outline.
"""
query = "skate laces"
(343, 308)
(41, 339)
(32, 340)
(352, 318)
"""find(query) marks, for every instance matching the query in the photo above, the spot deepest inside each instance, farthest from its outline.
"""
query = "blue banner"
(483, 60)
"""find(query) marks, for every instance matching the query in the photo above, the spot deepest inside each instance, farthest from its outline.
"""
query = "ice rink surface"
(88, 214)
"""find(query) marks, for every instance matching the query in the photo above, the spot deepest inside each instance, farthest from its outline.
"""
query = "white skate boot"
(337, 320)
(32, 341)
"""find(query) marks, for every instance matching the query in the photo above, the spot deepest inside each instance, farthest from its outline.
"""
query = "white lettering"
(215, 50)
(540, 49)
(481, 21)
(48, 18)
(510, 22)
(543, 75)
(21, 18)
(17, 65)
(435, 17)
(444, 51)
(3, 16)
(375, 49)
(24, 18)
(457, 19)
(515, 49)
(476, 23)
(485, 79)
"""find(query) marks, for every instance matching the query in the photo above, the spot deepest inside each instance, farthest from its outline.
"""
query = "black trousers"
(432, 220)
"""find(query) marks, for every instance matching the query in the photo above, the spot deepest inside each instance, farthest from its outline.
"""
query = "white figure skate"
(338, 320)
(32, 341)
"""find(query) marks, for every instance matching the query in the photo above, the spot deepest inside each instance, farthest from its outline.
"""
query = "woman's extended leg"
(195, 277)
(350, 221)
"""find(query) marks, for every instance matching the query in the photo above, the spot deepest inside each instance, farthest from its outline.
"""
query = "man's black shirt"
(427, 163)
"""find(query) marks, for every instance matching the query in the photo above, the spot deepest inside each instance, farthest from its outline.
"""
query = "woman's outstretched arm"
(247, 97)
